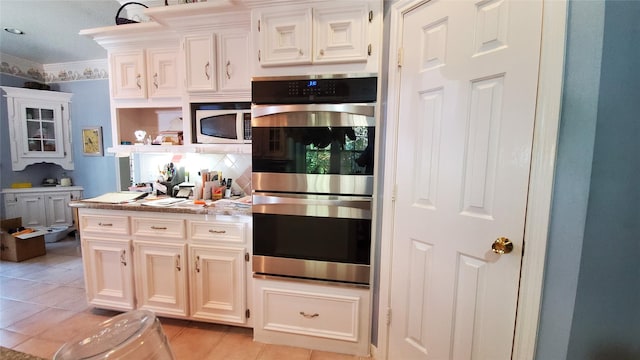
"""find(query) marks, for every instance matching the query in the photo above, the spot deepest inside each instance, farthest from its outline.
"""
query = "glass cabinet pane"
(41, 131)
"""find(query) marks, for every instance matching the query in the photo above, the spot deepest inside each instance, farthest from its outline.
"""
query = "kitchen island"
(177, 259)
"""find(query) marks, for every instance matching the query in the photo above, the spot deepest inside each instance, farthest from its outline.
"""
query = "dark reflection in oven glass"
(314, 150)
(313, 238)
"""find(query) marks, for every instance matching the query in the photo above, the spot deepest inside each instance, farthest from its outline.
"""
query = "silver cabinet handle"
(123, 259)
(138, 81)
(217, 231)
(206, 71)
(227, 69)
(309, 316)
(197, 263)
(105, 224)
(155, 80)
(159, 227)
(178, 262)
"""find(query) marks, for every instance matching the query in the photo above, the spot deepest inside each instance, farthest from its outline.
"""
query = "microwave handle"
(356, 109)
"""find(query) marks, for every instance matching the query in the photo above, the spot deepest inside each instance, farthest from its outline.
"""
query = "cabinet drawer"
(207, 231)
(313, 314)
(103, 224)
(158, 228)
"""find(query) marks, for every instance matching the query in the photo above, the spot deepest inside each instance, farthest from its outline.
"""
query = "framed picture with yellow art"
(92, 141)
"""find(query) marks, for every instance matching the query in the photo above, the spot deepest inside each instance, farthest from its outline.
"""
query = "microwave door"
(221, 128)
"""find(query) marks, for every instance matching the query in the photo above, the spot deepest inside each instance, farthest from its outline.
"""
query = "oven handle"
(354, 207)
(357, 109)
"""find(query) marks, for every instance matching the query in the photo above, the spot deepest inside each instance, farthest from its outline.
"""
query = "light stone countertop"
(219, 207)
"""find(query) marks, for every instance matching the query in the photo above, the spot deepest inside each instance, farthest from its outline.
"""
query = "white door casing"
(452, 166)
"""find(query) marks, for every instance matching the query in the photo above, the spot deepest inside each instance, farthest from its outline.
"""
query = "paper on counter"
(117, 197)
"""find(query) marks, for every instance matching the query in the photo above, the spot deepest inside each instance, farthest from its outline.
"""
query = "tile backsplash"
(147, 167)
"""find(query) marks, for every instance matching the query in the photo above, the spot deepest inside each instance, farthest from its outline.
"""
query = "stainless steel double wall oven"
(313, 157)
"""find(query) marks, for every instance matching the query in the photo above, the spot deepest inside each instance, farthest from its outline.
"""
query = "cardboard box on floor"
(16, 249)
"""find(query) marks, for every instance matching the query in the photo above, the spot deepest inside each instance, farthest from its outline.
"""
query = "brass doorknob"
(502, 245)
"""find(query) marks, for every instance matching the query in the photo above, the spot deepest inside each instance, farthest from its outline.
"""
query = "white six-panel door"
(467, 99)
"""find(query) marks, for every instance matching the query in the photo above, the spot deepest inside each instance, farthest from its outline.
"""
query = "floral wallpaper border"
(54, 73)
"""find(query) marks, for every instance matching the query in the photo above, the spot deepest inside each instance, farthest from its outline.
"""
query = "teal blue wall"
(591, 295)
(90, 108)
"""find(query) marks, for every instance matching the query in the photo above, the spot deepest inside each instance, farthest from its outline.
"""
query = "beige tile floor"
(42, 305)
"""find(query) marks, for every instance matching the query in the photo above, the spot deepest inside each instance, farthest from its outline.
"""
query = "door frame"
(543, 157)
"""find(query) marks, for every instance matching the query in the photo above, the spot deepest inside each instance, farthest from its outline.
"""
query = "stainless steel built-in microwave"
(223, 126)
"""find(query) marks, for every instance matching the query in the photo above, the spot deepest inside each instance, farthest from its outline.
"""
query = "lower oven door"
(322, 237)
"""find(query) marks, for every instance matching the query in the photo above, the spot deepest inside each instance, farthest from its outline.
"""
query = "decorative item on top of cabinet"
(39, 127)
(141, 74)
(217, 59)
(319, 35)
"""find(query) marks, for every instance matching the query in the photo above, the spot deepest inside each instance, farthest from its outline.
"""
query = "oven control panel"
(313, 90)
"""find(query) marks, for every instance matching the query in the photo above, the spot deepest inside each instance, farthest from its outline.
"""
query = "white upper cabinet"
(233, 60)
(323, 34)
(217, 61)
(163, 73)
(284, 36)
(141, 74)
(39, 127)
(200, 62)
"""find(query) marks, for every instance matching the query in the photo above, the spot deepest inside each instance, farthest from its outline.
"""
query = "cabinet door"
(218, 278)
(11, 206)
(233, 62)
(41, 129)
(128, 75)
(200, 62)
(161, 277)
(285, 37)
(108, 271)
(162, 65)
(341, 34)
(58, 210)
(31, 208)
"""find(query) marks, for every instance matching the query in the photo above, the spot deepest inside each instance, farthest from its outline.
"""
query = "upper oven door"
(318, 148)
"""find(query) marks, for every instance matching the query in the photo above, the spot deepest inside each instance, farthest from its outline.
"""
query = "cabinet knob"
(138, 81)
(178, 267)
(206, 71)
(228, 68)
(155, 80)
(321, 52)
(197, 263)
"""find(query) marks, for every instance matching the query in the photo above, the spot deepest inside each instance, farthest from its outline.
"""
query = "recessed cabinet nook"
(199, 266)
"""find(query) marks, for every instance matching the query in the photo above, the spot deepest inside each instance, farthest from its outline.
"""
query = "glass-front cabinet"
(39, 126)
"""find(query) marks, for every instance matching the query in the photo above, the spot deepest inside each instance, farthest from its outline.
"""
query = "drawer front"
(207, 231)
(158, 229)
(105, 224)
(313, 314)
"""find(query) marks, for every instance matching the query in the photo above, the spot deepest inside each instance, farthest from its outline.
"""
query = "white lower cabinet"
(218, 291)
(317, 316)
(107, 259)
(161, 277)
(41, 206)
(186, 266)
(108, 269)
